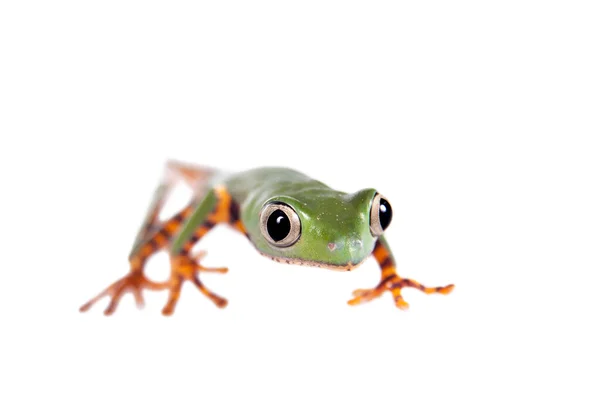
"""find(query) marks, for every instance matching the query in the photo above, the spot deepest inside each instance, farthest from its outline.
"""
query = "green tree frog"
(287, 216)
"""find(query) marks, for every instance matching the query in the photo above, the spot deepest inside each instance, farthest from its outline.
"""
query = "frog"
(286, 215)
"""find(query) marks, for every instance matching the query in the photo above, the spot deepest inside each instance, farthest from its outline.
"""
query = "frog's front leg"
(390, 281)
(215, 208)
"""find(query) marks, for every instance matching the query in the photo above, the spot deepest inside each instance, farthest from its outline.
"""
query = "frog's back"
(268, 180)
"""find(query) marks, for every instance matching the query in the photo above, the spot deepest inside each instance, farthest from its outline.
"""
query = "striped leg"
(174, 172)
(391, 281)
(234, 219)
(184, 265)
(154, 235)
(135, 281)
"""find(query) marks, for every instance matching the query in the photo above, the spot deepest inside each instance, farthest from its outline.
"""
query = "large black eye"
(381, 215)
(385, 213)
(280, 224)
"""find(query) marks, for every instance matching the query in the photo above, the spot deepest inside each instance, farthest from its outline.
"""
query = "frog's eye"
(280, 224)
(381, 215)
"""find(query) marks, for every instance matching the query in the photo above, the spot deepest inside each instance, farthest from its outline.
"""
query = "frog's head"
(331, 229)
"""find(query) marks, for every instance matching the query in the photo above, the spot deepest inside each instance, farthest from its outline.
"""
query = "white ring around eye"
(295, 225)
(376, 229)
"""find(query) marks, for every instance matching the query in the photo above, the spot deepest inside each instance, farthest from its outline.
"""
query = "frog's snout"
(344, 253)
(350, 244)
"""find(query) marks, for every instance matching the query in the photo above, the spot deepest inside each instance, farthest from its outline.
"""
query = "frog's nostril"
(356, 244)
(332, 246)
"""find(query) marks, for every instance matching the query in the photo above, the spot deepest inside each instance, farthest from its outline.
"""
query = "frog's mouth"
(297, 261)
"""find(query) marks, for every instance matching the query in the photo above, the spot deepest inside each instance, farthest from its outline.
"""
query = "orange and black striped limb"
(220, 214)
(160, 237)
(234, 219)
(155, 235)
(185, 266)
(390, 281)
(194, 176)
(135, 281)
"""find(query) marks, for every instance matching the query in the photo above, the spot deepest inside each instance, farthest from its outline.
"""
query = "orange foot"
(186, 268)
(133, 282)
(395, 284)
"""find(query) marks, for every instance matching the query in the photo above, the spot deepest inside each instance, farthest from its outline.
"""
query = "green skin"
(335, 229)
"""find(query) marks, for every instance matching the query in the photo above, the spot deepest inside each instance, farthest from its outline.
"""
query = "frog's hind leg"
(196, 178)
(135, 281)
(154, 235)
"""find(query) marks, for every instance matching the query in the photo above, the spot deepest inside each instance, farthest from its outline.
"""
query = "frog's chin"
(297, 261)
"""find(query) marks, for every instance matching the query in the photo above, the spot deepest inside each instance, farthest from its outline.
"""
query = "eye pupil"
(278, 225)
(385, 213)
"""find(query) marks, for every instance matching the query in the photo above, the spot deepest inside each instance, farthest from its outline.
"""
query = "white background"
(478, 120)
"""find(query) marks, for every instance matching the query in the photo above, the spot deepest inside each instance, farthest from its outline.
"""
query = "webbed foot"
(186, 268)
(395, 284)
(133, 282)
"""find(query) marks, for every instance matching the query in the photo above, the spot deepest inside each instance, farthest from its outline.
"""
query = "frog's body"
(285, 214)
